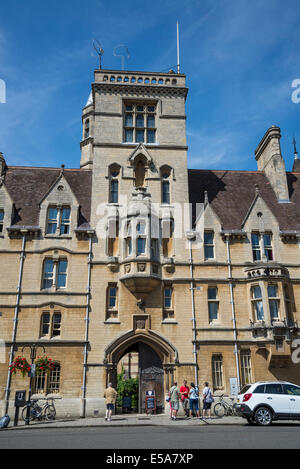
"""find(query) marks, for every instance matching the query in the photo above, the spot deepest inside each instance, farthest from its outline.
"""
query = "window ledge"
(47, 339)
(112, 321)
(169, 321)
(48, 236)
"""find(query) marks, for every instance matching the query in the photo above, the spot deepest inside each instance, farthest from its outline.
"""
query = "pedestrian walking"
(207, 400)
(175, 396)
(194, 400)
(110, 395)
(184, 391)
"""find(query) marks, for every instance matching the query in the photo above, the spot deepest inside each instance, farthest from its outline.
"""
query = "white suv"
(266, 401)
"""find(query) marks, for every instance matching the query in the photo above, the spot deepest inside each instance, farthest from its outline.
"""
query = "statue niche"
(140, 173)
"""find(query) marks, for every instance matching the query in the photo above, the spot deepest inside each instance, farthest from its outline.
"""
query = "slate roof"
(231, 194)
(27, 186)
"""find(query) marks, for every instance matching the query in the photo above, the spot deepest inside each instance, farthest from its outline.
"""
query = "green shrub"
(127, 387)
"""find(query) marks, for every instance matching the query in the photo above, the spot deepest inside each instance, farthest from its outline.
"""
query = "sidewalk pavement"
(126, 420)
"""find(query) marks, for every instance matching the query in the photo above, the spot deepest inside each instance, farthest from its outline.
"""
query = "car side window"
(273, 388)
(292, 390)
(259, 389)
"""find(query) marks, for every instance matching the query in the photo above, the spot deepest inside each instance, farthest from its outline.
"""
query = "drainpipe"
(191, 237)
(16, 318)
(236, 352)
(87, 320)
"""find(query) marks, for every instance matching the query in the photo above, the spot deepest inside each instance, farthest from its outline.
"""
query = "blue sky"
(240, 59)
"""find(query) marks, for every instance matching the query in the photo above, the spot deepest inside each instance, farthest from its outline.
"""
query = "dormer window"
(262, 243)
(1, 220)
(65, 221)
(58, 220)
(209, 249)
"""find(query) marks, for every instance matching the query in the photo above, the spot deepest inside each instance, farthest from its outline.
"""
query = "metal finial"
(100, 51)
(295, 148)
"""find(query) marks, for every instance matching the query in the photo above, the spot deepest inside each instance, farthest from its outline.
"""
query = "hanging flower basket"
(43, 365)
(20, 364)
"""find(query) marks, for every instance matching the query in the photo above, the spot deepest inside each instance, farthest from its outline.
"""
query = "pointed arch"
(166, 351)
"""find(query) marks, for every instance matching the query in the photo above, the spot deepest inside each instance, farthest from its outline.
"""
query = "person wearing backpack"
(207, 400)
(194, 400)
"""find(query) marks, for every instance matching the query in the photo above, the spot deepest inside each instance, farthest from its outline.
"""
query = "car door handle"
(292, 399)
(269, 398)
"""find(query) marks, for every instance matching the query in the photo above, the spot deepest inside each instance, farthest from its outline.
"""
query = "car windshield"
(245, 388)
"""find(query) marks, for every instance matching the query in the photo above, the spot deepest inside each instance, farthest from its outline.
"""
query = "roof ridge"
(227, 170)
(48, 168)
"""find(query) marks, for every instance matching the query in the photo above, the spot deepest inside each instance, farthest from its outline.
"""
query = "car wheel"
(263, 416)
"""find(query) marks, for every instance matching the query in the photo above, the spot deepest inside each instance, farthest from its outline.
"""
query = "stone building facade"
(194, 273)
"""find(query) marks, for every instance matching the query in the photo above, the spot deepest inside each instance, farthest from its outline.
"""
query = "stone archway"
(157, 361)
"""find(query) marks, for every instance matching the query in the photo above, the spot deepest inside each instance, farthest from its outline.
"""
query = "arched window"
(165, 173)
(114, 175)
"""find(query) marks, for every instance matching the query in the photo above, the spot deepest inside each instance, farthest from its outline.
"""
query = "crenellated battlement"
(132, 78)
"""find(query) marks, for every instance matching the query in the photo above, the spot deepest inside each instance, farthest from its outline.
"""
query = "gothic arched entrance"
(156, 362)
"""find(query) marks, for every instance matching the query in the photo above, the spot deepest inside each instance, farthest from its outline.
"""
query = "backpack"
(194, 393)
(4, 421)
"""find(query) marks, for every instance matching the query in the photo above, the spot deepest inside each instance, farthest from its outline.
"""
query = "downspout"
(192, 288)
(87, 320)
(236, 352)
(16, 318)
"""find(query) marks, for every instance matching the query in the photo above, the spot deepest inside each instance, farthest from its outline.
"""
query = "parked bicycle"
(224, 408)
(37, 411)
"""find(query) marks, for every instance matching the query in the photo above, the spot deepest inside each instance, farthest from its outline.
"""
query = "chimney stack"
(269, 159)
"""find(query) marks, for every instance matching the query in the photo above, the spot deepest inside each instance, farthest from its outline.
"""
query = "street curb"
(169, 425)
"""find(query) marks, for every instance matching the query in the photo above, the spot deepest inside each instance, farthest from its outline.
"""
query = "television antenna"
(122, 51)
(100, 51)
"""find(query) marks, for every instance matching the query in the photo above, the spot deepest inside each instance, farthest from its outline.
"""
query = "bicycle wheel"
(219, 410)
(24, 413)
(50, 412)
(234, 411)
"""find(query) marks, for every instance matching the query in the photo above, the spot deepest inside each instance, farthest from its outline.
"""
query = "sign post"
(150, 402)
(20, 401)
(33, 349)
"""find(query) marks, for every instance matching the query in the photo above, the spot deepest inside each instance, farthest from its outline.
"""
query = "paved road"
(278, 436)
